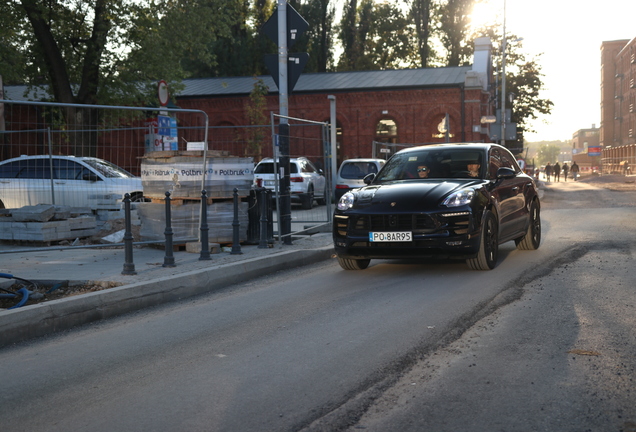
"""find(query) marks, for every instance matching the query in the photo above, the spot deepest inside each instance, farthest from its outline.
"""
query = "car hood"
(408, 196)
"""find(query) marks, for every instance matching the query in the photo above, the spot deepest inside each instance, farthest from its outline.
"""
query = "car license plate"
(269, 183)
(390, 236)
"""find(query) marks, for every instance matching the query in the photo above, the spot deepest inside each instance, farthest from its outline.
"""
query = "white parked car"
(306, 181)
(66, 180)
(352, 172)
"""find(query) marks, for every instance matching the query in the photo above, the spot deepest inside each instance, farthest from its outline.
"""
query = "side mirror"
(90, 177)
(368, 179)
(505, 173)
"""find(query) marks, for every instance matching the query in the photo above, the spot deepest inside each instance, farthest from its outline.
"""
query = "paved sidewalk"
(152, 285)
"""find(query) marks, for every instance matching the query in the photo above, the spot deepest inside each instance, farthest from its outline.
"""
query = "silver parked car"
(352, 172)
(65, 180)
(306, 181)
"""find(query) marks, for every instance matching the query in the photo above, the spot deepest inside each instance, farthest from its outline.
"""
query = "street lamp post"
(503, 80)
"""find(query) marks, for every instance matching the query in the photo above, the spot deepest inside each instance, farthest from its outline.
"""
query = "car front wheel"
(486, 258)
(353, 264)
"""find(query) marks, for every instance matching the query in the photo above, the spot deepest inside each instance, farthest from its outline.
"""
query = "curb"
(42, 319)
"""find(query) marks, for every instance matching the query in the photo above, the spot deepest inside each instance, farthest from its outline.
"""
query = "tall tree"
(378, 37)
(317, 41)
(524, 81)
(420, 14)
(388, 40)
(455, 27)
(111, 51)
(348, 36)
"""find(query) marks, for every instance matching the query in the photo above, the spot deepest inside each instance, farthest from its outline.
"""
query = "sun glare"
(484, 13)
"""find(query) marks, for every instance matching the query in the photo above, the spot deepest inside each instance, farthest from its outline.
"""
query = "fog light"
(454, 243)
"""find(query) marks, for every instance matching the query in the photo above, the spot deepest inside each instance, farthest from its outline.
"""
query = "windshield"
(268, 168)
(433, 163)
(108, 169)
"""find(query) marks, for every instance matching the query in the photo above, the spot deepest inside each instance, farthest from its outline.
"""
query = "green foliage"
(454, 18)
(317, 40)
(255, 113)
(421, 15)
(377, 36)
(548, 153)
(114, 51)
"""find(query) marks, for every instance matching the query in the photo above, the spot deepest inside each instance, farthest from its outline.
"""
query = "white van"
(352, 171)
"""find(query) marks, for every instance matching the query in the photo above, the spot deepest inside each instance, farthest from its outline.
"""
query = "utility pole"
(283, 128)
(503, 80)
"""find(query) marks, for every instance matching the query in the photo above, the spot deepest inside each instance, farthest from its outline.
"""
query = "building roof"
(307, 83)
(332, 81)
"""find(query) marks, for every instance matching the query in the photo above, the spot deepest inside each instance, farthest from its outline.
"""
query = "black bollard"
(236, 246)
(262, 196)
(205, 245)
(168, 260)
(129, 266)
(286, 222)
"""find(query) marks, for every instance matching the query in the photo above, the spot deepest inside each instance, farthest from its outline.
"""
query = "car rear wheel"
(323, 200)
(307, 199)
(353, 264)
(486, 258)
(532, 239)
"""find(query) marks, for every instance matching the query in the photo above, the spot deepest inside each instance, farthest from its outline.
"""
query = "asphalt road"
(533, 345)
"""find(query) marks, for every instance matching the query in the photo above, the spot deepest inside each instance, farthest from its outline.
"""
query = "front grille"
(422, 224)
(393, 222)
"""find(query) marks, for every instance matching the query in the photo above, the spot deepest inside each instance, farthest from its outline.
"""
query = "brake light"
(259, 182)
(296, 179)
(341, 186)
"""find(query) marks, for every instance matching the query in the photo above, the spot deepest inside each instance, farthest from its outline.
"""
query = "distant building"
(582, 141)
(618, 104)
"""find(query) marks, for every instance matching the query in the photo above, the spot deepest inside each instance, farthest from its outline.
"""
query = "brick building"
(403, 107)
(392, 106)
(582, 141)
(618, 104)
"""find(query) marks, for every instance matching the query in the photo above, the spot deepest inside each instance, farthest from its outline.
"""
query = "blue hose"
(25, 298)
(10, 294)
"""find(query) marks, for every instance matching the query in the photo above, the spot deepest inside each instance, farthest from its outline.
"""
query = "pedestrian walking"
(575, 170)
(548, 171)
(566, 170)
(556, 170)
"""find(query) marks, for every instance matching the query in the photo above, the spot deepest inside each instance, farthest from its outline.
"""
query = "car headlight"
(459, 198)
(346, 202)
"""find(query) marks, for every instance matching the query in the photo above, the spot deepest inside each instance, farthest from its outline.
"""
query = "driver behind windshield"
(473, 168)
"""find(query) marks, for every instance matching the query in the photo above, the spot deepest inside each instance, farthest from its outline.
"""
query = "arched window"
(442, 127)
(386, 131)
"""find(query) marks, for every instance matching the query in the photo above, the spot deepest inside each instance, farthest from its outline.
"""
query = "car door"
(32, 184)
(508, 193)
(75, 185)
(519, 209)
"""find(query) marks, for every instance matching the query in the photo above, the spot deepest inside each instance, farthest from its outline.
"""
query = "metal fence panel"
(79, 156)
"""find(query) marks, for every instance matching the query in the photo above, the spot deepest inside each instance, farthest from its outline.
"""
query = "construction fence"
(89, 156)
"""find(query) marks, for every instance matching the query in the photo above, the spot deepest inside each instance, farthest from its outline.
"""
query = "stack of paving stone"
(45, 223)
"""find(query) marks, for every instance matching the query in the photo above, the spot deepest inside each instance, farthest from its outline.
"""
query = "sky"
(569, 34)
